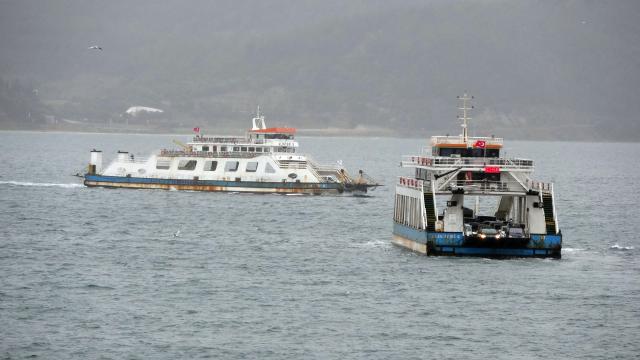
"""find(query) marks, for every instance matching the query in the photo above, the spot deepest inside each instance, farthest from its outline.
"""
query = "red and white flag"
(196, 129)
(480, 144)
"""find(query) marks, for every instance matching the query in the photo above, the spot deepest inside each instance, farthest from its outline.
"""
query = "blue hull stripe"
(220, 183)
(451, 243)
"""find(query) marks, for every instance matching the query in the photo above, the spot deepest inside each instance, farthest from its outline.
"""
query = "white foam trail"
(24, 183)
(571, 249)
(373, 244)
(618, 247)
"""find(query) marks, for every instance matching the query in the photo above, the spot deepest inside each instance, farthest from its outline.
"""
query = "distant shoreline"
(329, 132)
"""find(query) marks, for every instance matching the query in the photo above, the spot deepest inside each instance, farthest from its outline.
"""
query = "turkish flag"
(196, 129)
(480, 144)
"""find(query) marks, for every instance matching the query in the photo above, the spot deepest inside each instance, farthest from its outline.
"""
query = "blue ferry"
(438, 208)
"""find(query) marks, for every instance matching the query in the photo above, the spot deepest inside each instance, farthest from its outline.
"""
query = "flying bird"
(94, 47)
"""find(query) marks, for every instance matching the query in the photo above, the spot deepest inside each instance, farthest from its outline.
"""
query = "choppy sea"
(98, 273)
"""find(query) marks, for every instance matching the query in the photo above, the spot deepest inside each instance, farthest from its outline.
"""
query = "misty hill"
(566, 70)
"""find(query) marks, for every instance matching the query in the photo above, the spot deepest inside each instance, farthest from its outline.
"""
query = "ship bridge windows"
(252, 166)
(243, 149)
(286, 149)
(477, 176)
(231, 166)
(468, 152)
(187, 165)
(236, 148)
(278, 136)
(210, 165)
(205, 148)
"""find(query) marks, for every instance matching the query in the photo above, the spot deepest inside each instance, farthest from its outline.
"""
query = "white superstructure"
(264, 160)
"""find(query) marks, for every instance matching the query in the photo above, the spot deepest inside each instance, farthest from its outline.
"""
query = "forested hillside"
(546, 70)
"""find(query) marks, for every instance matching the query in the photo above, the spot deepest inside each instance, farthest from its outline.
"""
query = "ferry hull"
(213, 185)
(455, 244)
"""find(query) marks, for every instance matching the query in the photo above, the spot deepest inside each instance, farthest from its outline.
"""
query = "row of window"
(467, 152)
(212, 165)
(280, 149)
(235, 148)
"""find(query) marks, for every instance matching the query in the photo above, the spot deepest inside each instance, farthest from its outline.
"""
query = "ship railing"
(539, 185)
(323, 167)
(299, 165)
(224, 140)
(484, 186)
(488, 140)
(135, 160)
(291, 164)
(467, 162)
(208, 154)
(314, 167)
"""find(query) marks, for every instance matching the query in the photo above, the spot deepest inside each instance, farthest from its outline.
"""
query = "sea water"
(132, 274)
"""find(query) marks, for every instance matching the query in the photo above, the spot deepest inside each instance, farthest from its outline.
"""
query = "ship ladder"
(431, 211)
(549, 216)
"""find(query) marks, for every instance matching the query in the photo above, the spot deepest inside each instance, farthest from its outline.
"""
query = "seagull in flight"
(94, 47)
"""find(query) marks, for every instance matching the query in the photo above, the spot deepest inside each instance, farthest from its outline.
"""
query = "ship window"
(236, 148)
(163, 164)
(494, 153)
(187, 164)
(223, 148)
(258, 149)
(244, 148)
(269, 169)
(252, 149)
(252, 166)
(210, 165)
(213, 149)
(231, 166)
(451, 151)
(205, 148)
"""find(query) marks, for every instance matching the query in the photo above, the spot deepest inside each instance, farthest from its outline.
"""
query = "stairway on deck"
(549, 216)
(431, 211)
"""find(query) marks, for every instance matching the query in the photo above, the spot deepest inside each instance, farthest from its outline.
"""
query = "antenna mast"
(465, 107)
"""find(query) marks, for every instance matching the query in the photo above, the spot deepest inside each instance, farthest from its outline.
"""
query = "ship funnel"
(95, 163)
(123, 156)
(258, 121)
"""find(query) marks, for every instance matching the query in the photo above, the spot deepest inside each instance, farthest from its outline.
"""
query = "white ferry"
(265, 160)
(430, 216)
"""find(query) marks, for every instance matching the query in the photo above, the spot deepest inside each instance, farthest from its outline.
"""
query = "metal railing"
(539, 185)
(219, 154)
(223, 140)
(467, 162)
(291, 164)
(134, 160)
(435, 140)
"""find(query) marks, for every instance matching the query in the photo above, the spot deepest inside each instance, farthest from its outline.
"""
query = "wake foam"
(24, 183)
(566, 249)
(618, 247)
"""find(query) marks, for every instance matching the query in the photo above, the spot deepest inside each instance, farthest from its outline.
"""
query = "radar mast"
(464, 117)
